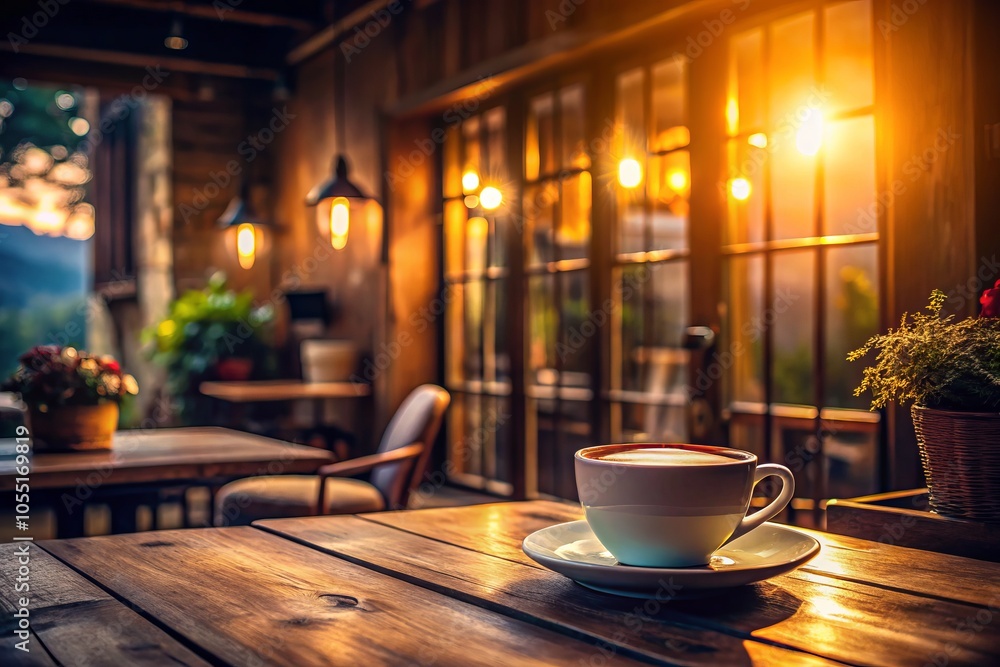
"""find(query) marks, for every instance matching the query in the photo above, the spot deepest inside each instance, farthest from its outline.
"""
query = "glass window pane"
(495, 170)
(669, 188)
(574, 219)
(631, 288)
(477, 232)
(471, 449)
(500, 229)
(792, 77)
(473, 362)
(670, 303)
(791, 320)
(669, 106)
(745, 193)
(572, 117)
(849, 177)
(471, 158)
(500, 308)
(631, 140)
(542, 327)
(746, 432)
(745, 329)
(631, 211)
(746, 103)
(852, 459)
(452, 159)
(577, 348)
(455, 217)
(851, 318)
(849, 60)
(540, 149)
(793, 184)
(455, 334)
(539, 216)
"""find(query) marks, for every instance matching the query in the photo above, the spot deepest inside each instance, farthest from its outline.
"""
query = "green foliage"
(204, 327)
(935, 361)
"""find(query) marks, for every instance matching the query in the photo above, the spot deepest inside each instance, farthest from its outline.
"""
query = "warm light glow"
(65, 101)
(478, 227)
(470, 181)
(490, 198)
(809, 137)
(629, 172)
(471, 201)
(759, 140)
(677, 180)
(732, 116)
(740, 188)
(80, 126)
(340, 223)
(246, 245)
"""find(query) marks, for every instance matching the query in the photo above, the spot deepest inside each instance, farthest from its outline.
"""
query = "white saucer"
(572, 550)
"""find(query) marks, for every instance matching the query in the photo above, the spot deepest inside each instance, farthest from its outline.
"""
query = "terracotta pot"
(960, 452)
(234, 369)
(71, 428)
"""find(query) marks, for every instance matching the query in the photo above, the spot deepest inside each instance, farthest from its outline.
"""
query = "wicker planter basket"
(960, 452)
(73, 428)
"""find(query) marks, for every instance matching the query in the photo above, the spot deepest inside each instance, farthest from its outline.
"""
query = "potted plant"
(72, 397)
(213, 333)
(950, 370)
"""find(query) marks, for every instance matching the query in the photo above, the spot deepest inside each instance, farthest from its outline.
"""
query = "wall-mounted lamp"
(629, 173)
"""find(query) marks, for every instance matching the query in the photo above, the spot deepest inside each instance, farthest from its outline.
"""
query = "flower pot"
(960, 452)
(71, 428)
(328, 360)
(234, 369)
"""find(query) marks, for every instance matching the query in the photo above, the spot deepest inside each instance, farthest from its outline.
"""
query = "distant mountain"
(35, 270)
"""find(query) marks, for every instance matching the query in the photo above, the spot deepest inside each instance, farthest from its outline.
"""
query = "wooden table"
(150, 459)
(452, 587)
(262, 391)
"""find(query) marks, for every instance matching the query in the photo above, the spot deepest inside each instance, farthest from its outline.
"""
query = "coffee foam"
(663, 456)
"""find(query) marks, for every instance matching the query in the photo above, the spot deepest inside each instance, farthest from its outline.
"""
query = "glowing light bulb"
(246, 245)
(470, 181)
(677, 180)
(340, 222)
(740, 188)
(758, 139)
(732, 116)
(629, 173)
(471, 201)
(80, 126)
(490, 198)
(809, 137)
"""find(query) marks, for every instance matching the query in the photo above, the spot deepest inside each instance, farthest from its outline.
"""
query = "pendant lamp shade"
(338, 185)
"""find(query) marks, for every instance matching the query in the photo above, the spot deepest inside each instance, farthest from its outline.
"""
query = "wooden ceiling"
(241, 38)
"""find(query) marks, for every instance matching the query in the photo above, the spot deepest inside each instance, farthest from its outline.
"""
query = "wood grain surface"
(264, 391)
(244, 596)
(168, 454)
(858, 602)
(75, 623)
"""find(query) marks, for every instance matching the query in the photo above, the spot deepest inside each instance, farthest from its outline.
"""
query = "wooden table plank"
(77, 622)
(837, 609)
(163, 455)
(263, 391)
(245, 596)
(619, 625)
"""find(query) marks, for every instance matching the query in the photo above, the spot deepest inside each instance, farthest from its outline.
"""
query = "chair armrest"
(366, 463)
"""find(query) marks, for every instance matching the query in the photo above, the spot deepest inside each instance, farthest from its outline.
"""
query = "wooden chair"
(396, 470)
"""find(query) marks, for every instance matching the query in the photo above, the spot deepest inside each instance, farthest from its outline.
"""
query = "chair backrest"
(418, 419)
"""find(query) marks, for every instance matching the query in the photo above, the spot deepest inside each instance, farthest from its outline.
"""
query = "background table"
(142, 461)
(452, 587)
(262, 391)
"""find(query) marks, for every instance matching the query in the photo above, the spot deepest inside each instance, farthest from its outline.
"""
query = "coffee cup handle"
(751, 521)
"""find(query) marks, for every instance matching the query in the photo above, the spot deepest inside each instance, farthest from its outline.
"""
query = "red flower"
(991, 301)
(112, 366)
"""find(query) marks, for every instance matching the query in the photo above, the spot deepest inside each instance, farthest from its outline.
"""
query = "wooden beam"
(169, 63)
(228, 13)
(331, 33)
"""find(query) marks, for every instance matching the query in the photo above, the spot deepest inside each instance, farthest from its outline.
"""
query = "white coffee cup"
(673, 505)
